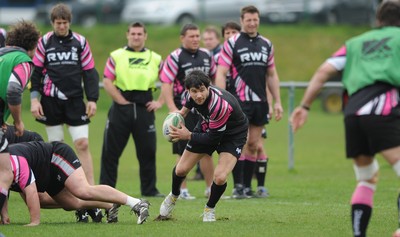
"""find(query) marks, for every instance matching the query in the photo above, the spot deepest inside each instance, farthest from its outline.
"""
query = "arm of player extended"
(31, 197)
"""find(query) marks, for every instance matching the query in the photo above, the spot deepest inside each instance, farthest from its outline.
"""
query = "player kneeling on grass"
(222, 128)
(55, 169)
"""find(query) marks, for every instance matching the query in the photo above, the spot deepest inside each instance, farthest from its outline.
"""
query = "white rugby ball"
(173, 119)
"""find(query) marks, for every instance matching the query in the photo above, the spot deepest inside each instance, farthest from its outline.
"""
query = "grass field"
(310, 200)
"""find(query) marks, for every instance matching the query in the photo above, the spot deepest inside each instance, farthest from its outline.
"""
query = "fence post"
(291, 143)
(291, 85)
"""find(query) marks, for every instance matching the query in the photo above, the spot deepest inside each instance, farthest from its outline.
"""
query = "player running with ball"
(222, 128)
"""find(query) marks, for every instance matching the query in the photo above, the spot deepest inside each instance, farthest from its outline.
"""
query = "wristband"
(305, 107)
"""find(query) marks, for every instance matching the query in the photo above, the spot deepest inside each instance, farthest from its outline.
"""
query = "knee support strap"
(55, 133)
(78, 132)
(366, 172)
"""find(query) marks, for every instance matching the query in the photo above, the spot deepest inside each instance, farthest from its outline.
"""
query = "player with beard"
(249, 57)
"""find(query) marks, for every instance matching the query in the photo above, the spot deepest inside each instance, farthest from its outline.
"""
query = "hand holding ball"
(174, 119)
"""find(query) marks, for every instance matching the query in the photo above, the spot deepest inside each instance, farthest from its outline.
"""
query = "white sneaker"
(185, 195)
(168, 205)
(209, 214)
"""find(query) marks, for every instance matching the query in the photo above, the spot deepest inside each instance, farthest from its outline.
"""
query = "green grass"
(310, 200)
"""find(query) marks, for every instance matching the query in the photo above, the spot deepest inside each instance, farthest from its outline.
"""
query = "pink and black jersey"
(22, 173)
(248, 59)
(61, 63)
(15, 72)
(221, 116)
(181, 62)
(50, 163)
(377, 99)
(30, 161)
(338, 59)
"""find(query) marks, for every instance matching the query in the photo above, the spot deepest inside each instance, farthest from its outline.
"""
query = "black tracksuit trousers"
(123, 121)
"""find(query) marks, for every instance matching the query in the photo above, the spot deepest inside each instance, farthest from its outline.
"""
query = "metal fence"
(291, 86)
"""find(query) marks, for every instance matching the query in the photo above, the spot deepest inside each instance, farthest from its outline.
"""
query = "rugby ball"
(173, 119)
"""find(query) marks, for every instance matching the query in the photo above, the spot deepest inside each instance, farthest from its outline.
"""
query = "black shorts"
(232, 143)
(63, 163)
(190, 123)
(256, 112)
(370, 134)
(56, 111)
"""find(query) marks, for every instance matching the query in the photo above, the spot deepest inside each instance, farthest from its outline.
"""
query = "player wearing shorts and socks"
(222, 128)
(251, 76)
(178, 64)
(63, 62)
(371, 78)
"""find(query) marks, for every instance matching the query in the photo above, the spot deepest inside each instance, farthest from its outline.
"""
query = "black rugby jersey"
(181, 62)
(248, 59)
(27, 156)
(48, 161)
(221, 116)
(61, 63)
